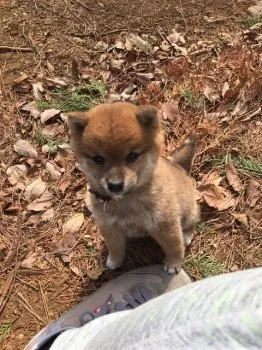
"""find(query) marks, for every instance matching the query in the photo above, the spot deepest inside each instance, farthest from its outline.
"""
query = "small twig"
(9, 284)
(27, 284)
(44, 303)
(88, 8)
(15, 48)
(28, 308)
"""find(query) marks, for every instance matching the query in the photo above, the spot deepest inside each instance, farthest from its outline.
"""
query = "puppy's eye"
(132, 157)
(98, 159)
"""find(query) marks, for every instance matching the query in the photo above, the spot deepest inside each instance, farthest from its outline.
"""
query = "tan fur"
(158, 196)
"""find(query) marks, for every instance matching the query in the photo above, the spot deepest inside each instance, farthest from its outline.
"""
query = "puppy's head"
(117, 146)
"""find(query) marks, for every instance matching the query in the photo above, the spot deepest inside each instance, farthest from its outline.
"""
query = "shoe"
(125, 292)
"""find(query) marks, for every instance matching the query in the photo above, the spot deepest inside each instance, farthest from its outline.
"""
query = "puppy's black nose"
(115, 186)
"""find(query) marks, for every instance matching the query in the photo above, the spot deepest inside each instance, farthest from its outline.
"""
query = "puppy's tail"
(184, 155)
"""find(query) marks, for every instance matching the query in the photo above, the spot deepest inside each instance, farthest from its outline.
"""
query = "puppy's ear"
(77, 122)
(148, 116)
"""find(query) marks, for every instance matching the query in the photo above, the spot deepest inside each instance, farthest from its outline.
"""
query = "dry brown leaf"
(52, 171)
(212, 178)
(96, 273)
(139, 43)
(38, 90)
(225, 89)
(23, 76)
(48, 215)
(176, 38)
(42, 203)
(50, 67)
(75, 270)
(253, 192)
(24, 148)
(63, 186)
(15, 172)
(170, 110)
(74, 224)
(30, 260)
(30, 107)
(35, 189)
(242, 218)
(233, 178)
(216, 197)
(48, 114)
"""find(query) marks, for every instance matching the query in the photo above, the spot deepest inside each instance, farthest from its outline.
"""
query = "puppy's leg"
(171, 241)
(116, 244)
(188, 233)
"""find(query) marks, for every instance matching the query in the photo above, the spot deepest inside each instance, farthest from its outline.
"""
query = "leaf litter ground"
(199, 64)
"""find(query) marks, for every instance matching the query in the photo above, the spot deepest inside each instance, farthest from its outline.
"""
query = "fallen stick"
(4, 49)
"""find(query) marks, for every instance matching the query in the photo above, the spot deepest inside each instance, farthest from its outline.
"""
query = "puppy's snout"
(115, 187)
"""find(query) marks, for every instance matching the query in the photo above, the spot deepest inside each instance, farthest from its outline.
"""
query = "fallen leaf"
(233, 178)
(38, 90)
(225, 88)
(11, 208)
(30, 260)
(75, 270)
(48, 215)
(48, 114)
(35, 189)
(175, 38)
(50, 67)
(170, 110)
(63, 186)
(101, 46)
(139, 43)
(117, 64)
(210, 95)
(96, 273)
(253, 192)
(42, 203)
(242, 218)
(52, 171)
(15, 172)
(212, 178)
(74, 224)
(216, 196)
(145, 78)
(24, 148)
(165, 46)
(31, 108)
(23, 76)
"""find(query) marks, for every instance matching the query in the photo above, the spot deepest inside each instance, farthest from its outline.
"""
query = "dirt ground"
(199, 61)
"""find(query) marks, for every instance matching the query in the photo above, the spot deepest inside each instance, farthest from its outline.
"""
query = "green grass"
(245, 164)
(81, 98)
(249, 21)
(44, 139)
(192, 101)
(204, 264)
(203, 227)
(90, 250)
(5, 328)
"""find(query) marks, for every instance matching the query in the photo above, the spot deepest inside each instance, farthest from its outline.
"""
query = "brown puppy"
(134, 191)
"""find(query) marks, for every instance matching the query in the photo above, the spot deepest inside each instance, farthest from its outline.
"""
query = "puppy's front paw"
(112, 264)
(173, 267)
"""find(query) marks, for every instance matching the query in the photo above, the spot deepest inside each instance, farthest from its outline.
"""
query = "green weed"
(204, 264)
(249, 21)
(82, 98)
(203, 227)
(5, 328)
(192, 101)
